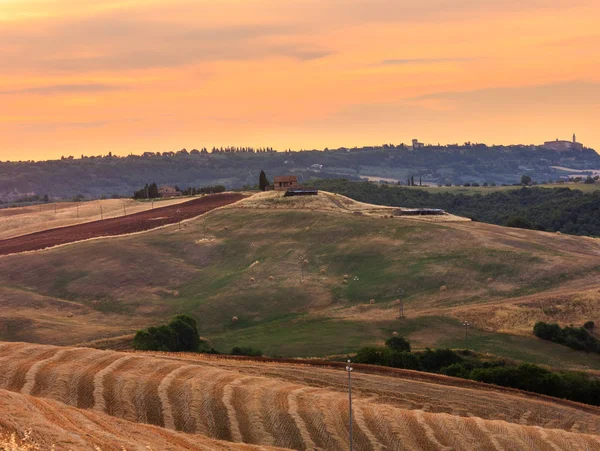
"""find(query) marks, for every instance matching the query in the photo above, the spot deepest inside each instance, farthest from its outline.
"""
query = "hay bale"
(346, 276)
(70, 315)
(271, 278)
(323, 270)
(234, 319)
(226, 228)
(394, 334)
(372, 301)
(252, 280)
(490, 280)
(345, 282)
(558, 233)
(443, 288)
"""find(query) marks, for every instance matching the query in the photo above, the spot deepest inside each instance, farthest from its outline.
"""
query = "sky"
(129, 76)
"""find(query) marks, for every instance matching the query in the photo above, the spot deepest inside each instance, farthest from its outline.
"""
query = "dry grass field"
(294, 406)
(28, 423)
(244, 260)
(19, 221)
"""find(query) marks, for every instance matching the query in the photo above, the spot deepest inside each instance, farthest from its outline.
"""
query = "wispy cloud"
(89, 88)
(409, 61)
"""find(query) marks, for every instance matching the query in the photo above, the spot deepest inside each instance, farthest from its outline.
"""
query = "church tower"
(574, 139)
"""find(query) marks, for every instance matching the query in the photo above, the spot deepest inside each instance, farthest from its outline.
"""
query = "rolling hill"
(246, 260)
(80, 395)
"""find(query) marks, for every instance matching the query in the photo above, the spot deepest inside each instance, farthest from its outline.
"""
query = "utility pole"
(124, 212)
(101, 214)
(303, 263)
(466, 325)
(349, 370)
(401, 298)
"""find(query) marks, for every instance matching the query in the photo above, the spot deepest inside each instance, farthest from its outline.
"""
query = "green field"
(250, 266)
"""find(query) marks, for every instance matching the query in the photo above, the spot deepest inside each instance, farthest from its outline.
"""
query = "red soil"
(137, 222)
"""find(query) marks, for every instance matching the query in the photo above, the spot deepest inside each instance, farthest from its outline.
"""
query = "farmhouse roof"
(285, 178)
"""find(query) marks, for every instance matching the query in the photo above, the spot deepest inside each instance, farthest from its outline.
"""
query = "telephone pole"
(466, 325)
(349, 370)
(401, 298)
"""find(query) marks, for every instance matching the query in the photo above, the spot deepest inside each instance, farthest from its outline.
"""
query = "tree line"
(549, 209)
(571, 385)
(578, 338)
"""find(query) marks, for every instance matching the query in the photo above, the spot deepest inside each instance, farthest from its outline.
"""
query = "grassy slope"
(128, 282)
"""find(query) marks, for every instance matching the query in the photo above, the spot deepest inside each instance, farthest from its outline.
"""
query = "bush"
(518, 222)
(456, 370)
(434, 360)
(589, 325)
(181, 334)
(574, 337)
(398, 344)
(250, 352)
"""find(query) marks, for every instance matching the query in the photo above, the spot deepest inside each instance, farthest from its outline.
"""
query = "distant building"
(564, 146)
(417, 145)
(168, 191)
(284, 182)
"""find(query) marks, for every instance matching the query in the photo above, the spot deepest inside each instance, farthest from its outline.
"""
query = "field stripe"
(359, 416)
(234, 425)
(32, 372)
(163, 394)
(294, 412)
(99, 401)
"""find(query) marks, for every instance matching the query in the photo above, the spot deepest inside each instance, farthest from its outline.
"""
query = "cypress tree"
(263, 182)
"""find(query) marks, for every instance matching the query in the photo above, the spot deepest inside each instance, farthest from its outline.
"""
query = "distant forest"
(551, 209)
(234, 167)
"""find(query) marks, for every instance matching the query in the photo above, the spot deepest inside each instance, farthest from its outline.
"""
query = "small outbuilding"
(285, 182)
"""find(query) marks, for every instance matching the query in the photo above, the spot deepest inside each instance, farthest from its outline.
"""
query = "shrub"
(434, 360)
(456, 370)
(250, 352)
(398, 344)
(574, 337)
(181, 334)
(589, 325)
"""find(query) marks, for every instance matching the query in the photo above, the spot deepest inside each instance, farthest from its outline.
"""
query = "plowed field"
(292, 405)
(137, 222)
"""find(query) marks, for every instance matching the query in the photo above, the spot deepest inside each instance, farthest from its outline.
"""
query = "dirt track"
(137, 222)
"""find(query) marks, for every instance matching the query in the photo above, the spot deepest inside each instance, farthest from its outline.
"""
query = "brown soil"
(137, 222)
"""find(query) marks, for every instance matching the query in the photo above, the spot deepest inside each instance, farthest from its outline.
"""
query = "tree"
(263, 182)
(153, 191)
(398, 344)
(46, 198)
(181, 334)
(519, 222)
(525, 180)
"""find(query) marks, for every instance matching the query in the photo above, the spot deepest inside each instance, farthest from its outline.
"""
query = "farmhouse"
(168, 191)
(284, 182)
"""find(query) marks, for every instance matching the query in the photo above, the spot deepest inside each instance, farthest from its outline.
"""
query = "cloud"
(89, 88)
(409, 61)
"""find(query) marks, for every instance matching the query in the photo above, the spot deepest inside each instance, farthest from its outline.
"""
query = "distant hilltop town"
(564, 146)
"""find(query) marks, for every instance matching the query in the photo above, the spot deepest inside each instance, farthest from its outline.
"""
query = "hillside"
(557, 209)
(97, 176)
(290, 405)
(246, 260)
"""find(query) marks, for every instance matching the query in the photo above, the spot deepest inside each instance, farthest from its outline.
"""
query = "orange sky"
(83, 76)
